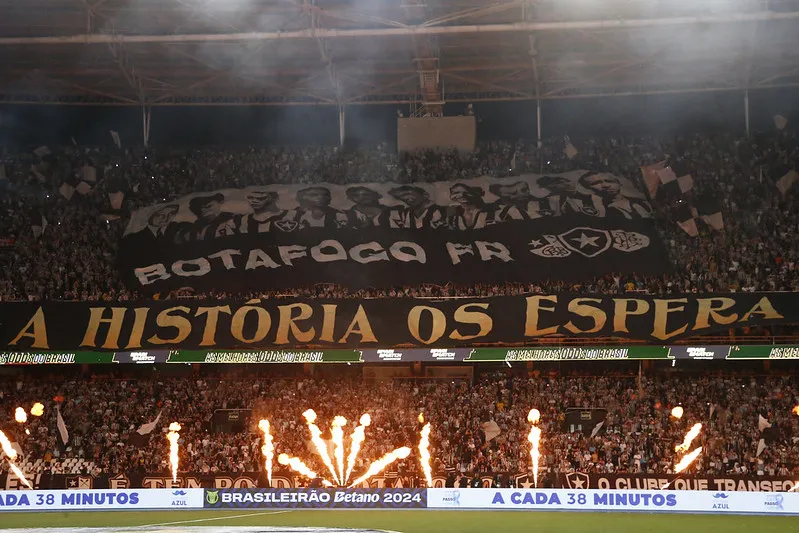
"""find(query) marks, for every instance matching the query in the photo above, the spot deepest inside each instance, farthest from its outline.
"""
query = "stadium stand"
(65, 249)
(102, 412)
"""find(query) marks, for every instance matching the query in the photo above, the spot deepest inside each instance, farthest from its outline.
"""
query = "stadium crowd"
(72, 257)
(638, 434)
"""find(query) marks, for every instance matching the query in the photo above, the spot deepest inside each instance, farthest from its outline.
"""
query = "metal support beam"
(146, 115)
(342, 125)
(427, 62)
(407, 30)
(326, 54)
(746, 110)
(126, 65)
(538, 121)
(528, 16)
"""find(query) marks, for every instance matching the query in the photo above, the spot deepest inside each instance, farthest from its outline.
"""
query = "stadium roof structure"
(423, 52)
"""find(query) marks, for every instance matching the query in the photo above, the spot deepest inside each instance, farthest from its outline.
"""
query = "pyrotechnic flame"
(20, 415)
(795, 410)
(37, 409)
(795, 488)
(424, 454)
(686, 461)
(535, 440)
(689, 438)
(318, 442)
(421, 418)
(381, 464)
(337, 431)
(11, 454)
(20, 475)
(296, 464)
(358, 436)
(268, 449)
(677, 412)
(173, 437)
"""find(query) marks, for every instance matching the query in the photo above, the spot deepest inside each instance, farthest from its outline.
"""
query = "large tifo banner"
(525, 228)
(368, 324)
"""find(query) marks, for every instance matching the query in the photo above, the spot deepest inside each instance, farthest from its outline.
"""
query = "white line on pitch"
(217, 518)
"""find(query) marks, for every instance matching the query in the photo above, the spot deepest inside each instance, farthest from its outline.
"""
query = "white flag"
(37, 171)
(62, 428)
(761, 445)
(780, 122)
(597, 428)
(115, 137)
(491, 430)
(762, 423)
(148, 428)
(89, 173)
(39, 226)
(116, 199)
(84, 188)
(570, 150)
(42, 151)
(66, 190)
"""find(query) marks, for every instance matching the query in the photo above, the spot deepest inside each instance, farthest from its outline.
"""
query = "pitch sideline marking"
(263, 513)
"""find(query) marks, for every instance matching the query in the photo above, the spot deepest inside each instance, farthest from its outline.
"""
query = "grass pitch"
(415, 521)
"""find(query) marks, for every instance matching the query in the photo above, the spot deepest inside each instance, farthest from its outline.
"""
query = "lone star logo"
(589, 242)
(585, 240)
(577, 480)
(527, 484)
(578, 484)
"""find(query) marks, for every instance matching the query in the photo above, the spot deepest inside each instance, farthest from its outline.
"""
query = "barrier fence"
(716, 502)
(430, 355)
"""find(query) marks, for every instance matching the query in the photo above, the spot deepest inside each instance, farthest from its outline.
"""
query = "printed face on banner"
(400, 205)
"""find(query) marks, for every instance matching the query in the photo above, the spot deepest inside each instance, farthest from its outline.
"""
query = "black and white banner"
(287, 480)
(525, 228)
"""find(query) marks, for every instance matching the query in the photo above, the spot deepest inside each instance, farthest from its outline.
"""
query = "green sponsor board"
(55, 358)
(569, 353)
(476, 355)
(764, 352)
(265, 356)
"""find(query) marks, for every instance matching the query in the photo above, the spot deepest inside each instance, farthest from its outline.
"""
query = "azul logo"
(178, 500)
(212, 497)
(774, 502)
(452, 497)
(720, 504)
